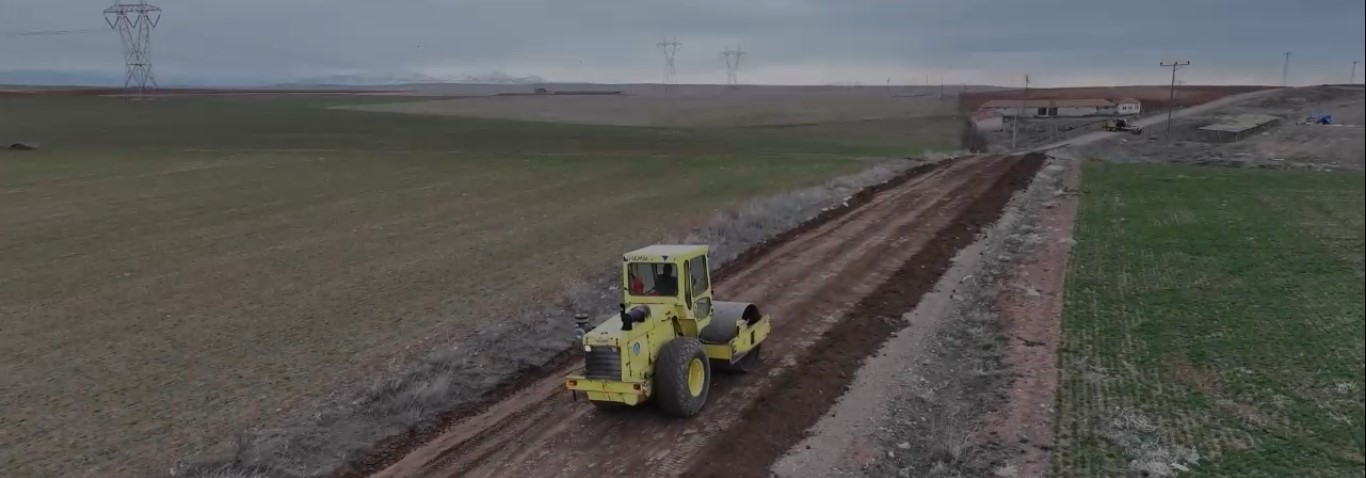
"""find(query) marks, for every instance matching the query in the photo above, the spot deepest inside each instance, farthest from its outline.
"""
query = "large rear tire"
(682, 377)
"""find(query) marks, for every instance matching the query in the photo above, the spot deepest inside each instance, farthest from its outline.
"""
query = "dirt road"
(829, 283)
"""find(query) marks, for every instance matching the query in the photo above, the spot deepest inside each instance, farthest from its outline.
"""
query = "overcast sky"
(1058, 42)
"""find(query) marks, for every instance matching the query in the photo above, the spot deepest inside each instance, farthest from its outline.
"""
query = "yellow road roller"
(669, 336)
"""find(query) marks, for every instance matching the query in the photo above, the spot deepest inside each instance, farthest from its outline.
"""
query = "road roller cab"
(669, 335)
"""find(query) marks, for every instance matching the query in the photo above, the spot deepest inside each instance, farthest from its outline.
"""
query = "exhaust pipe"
(580, 326)
(636, 314)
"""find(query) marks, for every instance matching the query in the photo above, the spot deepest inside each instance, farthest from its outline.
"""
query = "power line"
(670, 48)
(134, 22)
(1285, 71)
(53, 32)
(733, 58)
(1171, 97)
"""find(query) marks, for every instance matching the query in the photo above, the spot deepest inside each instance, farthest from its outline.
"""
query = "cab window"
(652, 279)
(697, 270)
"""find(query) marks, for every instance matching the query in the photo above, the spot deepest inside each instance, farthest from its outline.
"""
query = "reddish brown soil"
(865, 265)
(1034, 325)
(1153, 97)
(802, 395)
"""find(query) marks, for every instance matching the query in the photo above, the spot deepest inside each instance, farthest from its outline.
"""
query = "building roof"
(1127, 101)
(1240, 123)
(664, 251)
(984, 115)
(1050, 103)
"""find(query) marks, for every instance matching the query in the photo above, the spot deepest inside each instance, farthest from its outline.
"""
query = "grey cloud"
(607, 40)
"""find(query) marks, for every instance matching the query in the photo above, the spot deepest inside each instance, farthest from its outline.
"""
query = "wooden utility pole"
(1171, 97)
(1053, 120)
(1019, 113)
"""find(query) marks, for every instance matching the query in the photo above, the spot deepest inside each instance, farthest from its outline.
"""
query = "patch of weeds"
(1146, 450)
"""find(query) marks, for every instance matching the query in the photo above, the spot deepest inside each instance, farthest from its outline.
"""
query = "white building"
(1039, 108)
(1128, 106)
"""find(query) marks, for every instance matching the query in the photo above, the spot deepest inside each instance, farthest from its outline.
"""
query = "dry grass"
(732, 231)
(1147, 451)
(679, 111)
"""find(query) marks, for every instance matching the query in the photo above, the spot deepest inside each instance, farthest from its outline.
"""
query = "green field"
(176, 270)
(1214, 319)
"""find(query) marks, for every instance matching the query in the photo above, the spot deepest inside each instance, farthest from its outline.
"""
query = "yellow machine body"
(666, 295)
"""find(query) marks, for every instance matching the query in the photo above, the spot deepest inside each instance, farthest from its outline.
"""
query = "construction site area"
(331, 249)
(394, 284)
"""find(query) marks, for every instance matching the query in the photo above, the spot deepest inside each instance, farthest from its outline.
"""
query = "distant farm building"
(1237, 127)
(1128, 106)
(987, 121)
(1042, 108)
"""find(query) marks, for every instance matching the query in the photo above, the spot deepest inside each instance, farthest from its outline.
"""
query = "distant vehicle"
(1119, 125)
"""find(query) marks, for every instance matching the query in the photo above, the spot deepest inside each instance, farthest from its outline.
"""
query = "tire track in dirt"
(800, 397)
(933, 205)
(808, 283)
(849, 254)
